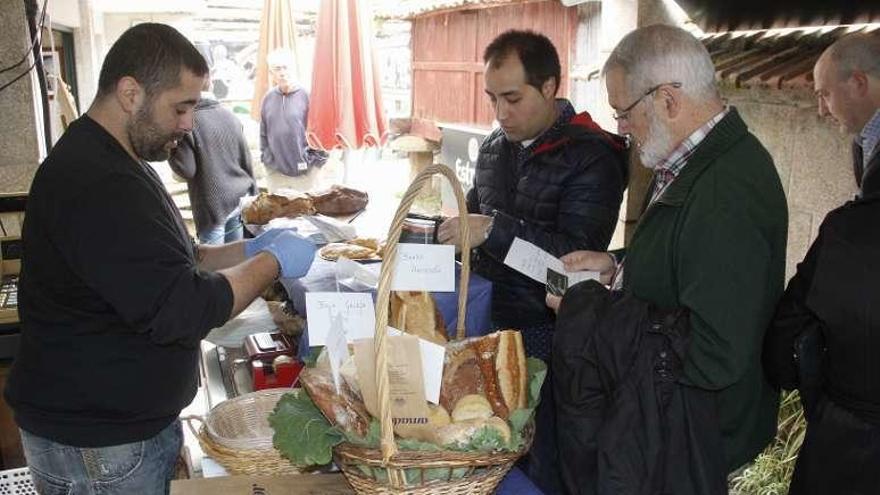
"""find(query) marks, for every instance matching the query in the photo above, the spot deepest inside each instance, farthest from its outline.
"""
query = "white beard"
(658, 145)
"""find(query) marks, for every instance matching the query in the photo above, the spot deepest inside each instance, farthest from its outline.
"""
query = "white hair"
(856, 52)
(658, 144)
(281, 56)
(660, 54)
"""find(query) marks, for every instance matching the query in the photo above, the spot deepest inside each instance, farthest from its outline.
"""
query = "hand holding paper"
(596, 261)
(535, 263)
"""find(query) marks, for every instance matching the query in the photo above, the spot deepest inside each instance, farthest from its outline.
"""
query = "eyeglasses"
(624, 114)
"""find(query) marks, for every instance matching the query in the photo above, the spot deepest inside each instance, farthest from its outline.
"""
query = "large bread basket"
(386, 470)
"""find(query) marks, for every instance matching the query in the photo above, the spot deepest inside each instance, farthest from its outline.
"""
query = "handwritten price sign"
(424, 267)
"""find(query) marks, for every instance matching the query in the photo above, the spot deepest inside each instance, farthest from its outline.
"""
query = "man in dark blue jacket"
(547, 175)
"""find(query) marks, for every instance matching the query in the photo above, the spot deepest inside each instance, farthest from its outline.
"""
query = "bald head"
(856, 52)
(847, 81)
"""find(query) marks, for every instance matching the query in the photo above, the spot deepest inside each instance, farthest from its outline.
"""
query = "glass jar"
(419, 230)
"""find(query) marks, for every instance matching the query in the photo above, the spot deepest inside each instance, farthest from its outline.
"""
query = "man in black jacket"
(547, 175)
(836, 294)
(114, 296)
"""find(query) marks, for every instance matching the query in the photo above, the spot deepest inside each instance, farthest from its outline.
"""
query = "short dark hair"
(535, 51)
(154, 55)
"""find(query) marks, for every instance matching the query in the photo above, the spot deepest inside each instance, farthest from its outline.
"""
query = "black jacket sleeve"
(121, 240)
(792, 319)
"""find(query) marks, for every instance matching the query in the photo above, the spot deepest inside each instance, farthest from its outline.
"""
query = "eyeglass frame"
(624, 114)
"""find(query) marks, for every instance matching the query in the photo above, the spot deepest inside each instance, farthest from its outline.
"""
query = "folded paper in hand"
(534, 262)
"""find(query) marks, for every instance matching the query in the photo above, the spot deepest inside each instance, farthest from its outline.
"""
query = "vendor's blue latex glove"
(294, 253)
(255, 245)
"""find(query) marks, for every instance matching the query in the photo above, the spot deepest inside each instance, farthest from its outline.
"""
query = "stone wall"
(19, 139)
(811, 155)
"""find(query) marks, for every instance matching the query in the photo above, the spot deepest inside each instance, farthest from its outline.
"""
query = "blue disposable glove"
(255, 245)
(294, 253)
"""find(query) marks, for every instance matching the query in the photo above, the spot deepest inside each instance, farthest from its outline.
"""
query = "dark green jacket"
(714, 243)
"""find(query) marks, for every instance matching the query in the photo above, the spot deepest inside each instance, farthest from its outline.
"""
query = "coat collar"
(868, 179)
(728, 131)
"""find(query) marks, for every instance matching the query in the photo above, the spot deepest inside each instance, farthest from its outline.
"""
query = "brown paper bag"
(407, 391)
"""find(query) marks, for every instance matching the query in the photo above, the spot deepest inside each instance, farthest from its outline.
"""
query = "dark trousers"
(840, 454)
(541, 463)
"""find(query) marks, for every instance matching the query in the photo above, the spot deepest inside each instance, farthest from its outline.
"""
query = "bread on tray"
(339, 200)
(266, 207)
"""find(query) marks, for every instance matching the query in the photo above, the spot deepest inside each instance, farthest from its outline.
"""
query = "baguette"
(416, 313)
(487, 354)
(510, 366)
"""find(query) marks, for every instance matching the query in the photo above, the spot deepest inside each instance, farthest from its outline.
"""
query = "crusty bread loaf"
(339, 200)
(344, 409)
(335, 250)
(437, 418)
(500, 426)
(473, 406)
(367, 242)
(493, 366)
(487, 353)
(460, 434)
(265, 207)
(416, 313)
(510, 365)
(461, 374)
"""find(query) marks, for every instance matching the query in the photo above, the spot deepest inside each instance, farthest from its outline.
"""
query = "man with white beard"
(711, 239)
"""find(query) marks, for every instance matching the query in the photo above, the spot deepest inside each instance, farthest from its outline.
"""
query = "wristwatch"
(489, 227)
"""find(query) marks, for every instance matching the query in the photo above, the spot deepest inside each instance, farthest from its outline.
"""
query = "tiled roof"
(773, 58)
(407, 9)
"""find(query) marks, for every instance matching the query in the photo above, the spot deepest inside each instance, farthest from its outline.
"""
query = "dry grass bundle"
(771, 472)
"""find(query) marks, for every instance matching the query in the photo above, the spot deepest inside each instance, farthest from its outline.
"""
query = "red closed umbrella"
(345, 107)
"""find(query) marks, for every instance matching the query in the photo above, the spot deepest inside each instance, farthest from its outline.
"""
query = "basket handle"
(189, 423)
(389, 448)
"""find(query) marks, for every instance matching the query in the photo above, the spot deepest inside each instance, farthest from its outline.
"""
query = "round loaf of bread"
(500, 426)
(472, 407)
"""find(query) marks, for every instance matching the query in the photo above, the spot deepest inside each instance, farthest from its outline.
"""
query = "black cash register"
(12, 207)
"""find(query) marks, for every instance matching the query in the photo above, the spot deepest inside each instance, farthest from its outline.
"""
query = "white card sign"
(352, 312)
(337, 349)
(424, 267)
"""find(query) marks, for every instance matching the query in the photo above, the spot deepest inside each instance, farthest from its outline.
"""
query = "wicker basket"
(385, 470)
(236, 433)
